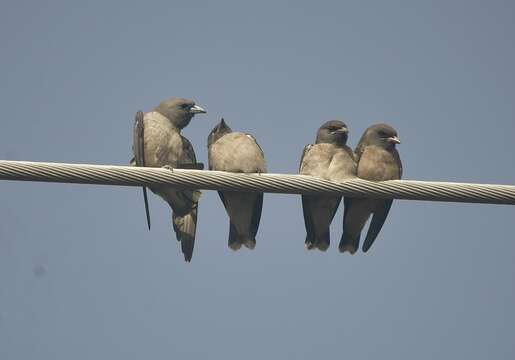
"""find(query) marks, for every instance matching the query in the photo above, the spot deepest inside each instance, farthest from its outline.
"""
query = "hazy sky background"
(82, 278)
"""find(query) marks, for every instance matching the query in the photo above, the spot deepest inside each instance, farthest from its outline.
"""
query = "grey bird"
(158, 143)
(378, 160)
(238, 152)
(329, 158)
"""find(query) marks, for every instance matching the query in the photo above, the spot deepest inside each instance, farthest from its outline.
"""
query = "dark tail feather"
(309, 243)
(323, 241)
(185, 228)
(147, 210)
(249, 242)
(234, 241)
(347, 243)
(187, 245)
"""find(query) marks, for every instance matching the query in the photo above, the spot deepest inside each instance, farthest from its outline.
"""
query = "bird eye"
(185, 106)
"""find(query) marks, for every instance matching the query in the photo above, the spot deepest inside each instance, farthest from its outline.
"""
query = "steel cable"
(271, 183)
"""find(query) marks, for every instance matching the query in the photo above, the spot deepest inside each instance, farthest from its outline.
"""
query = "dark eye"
(185, 106)
(382, 134)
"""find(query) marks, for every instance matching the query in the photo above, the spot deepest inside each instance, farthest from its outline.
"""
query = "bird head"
(179, 111)
(218, 131)
(381, 135)
(333, 132)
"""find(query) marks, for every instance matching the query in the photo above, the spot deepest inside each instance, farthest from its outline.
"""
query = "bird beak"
(342, 130)
(195, 109)
(393, 140)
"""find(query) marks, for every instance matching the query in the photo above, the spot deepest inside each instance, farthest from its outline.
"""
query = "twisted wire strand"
(272, 183)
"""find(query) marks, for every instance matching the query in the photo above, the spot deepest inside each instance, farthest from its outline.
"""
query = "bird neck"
(157, 116)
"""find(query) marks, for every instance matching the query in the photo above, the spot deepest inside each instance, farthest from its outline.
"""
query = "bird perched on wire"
(238, 152)
(329, 158)
(378, 160)
(158, 143)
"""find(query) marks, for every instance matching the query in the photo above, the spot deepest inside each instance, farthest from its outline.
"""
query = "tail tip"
(347, 247)
(323, 245)
(366, 247)
(187, 257)
(250, 243)
(309, 243)
(235, 245)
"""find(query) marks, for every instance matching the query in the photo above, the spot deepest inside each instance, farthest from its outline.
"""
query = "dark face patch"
(332, 132)
(380, 134)
(218, 131)
(177, 110)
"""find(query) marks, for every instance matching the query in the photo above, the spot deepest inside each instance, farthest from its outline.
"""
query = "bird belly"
(377, 164)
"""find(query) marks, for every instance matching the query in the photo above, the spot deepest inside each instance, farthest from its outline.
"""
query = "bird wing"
(360, 148)
(234, 242)
(138, 148)
(255, 141)
(304, 152)
(308, 217)
(351, 229)
(378, 219)
(189, 161)
(398, 161)
(138, 145)
(256, 215)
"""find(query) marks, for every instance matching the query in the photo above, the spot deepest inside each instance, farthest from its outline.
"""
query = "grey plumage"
(331, 159)
(238, 152)
(139, 154)
(158, 143)
(378, 160)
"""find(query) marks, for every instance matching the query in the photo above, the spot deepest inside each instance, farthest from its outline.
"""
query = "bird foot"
(167, 167)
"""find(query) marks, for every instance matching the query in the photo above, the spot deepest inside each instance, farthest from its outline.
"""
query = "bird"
(378, 160)
(331, 159)
(158, 143)
(238, 152)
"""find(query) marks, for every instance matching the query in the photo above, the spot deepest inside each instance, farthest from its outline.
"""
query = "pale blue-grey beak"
(195, 109)
(342, 130)
(394, 140)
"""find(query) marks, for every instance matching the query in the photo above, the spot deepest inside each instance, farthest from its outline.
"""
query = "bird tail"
(349, 243)
(310, 242)
(322, 242)
(318, 242)
(353, 222)
(236, 240)
(185, 228)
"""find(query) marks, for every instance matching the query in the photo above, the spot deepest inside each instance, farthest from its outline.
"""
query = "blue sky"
(82, 278)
